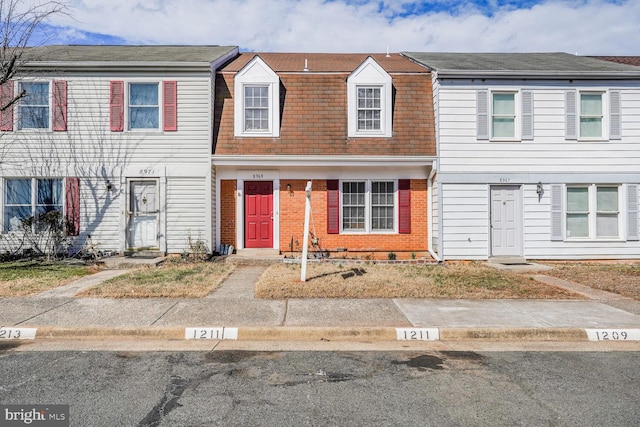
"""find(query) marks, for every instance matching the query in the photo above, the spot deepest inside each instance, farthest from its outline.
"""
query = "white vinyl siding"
(90, 151)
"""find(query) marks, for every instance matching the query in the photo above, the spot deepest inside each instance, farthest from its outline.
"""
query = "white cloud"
(582, 26)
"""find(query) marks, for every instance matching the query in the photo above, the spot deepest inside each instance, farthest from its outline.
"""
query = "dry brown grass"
(23, 278)
(622, 278)
(455, 280)
(172, 280)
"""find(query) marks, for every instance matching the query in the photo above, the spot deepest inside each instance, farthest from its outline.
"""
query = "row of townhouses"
(439, 155)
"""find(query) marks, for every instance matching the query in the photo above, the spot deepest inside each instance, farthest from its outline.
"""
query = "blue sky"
(587, 27)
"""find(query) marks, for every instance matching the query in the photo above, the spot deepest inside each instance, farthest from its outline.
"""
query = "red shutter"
(404, 206)
(59, 105)
(6, 96)
(333, 206)
(72, 206)
(116, 106)
(170, 110)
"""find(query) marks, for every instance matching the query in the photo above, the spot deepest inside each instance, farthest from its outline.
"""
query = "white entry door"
(506, 220)
(143, 215)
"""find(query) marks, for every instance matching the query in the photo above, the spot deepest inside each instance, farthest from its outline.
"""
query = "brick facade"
(228, 212)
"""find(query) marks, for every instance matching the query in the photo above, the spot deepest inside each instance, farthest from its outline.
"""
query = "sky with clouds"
(585, 27)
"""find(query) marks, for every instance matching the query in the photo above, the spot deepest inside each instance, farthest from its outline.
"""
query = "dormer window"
(257, 101)
(369, 99)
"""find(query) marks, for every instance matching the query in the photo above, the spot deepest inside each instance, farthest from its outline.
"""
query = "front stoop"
(255, 257)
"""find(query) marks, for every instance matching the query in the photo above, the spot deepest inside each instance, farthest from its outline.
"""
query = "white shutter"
(527, 114)
(557, 213)
(482, 114)
(615, 125)
(632, 212)
(571, 115)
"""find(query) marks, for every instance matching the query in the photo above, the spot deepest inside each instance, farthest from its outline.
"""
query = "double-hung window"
(503, 115)
(591, 117)
(369, 206)
(256, 108)
(256, 89)
(593, 212)
(144, 109)
(33, 111)
(30, 198)
(369, 108)
(369, 101)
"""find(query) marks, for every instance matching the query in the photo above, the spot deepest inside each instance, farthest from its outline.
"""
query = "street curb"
(343, 334)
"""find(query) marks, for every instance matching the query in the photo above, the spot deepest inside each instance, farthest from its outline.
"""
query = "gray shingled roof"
(113, 53)
(520, 64)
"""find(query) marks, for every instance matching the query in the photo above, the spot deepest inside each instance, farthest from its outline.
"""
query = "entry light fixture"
(539, 190)
(290, 190)
(109, 185)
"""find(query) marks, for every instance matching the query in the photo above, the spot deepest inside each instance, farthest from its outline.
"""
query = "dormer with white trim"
(369, 93)
(257, 101)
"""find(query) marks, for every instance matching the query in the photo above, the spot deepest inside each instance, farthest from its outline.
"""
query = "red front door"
(258, 214)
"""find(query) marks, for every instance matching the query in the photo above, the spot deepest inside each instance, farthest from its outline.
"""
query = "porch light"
(539, 190)
(289, 190)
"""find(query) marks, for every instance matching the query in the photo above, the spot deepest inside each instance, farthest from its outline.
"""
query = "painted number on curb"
(18, 333)
(211, 333)
(613, 334)
(417, 334)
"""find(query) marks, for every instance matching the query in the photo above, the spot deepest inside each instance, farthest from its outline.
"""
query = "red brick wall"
(314, 118)
(292, 224)
(228, 212)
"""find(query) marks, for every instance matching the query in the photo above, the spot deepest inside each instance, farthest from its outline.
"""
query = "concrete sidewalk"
(58, 314)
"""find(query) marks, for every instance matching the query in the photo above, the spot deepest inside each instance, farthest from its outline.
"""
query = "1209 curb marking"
(613, 334)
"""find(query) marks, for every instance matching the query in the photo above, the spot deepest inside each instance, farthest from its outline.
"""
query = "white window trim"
(368, 207)
(257, 73)
(517, 125)
(18, 110)
(604, 97)
(370, 74)
(592, 213)
(34, 195)
(127, 120)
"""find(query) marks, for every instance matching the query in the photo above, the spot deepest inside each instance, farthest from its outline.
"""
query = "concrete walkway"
(57, 313)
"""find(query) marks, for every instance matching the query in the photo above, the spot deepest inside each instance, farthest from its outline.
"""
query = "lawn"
(170, 280)
(22, 278)
(453, 280)
(622, 278)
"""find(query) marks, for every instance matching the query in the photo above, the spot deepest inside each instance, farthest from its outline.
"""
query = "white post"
(305, 238)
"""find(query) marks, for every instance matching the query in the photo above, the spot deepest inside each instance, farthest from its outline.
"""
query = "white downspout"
(434, 170)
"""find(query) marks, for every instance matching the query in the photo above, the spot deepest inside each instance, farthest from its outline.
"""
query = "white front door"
(143, 215)
(506, 220)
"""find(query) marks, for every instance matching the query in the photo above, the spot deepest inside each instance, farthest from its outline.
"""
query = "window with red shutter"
(59, 105)
(116, 106)
(6, 115)
(404, 206)
(170, 110)
(72, 206)
(333, 206)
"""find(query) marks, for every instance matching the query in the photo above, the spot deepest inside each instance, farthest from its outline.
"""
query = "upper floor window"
(592, 115)
(369, 108)
(369, 93)
(256, 108)
(33, 111)
(504, 115)
(144, 111)
(149, 105)
(257, 101)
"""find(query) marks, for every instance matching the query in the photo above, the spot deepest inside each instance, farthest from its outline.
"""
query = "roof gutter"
(323, 160)
(544, 75)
